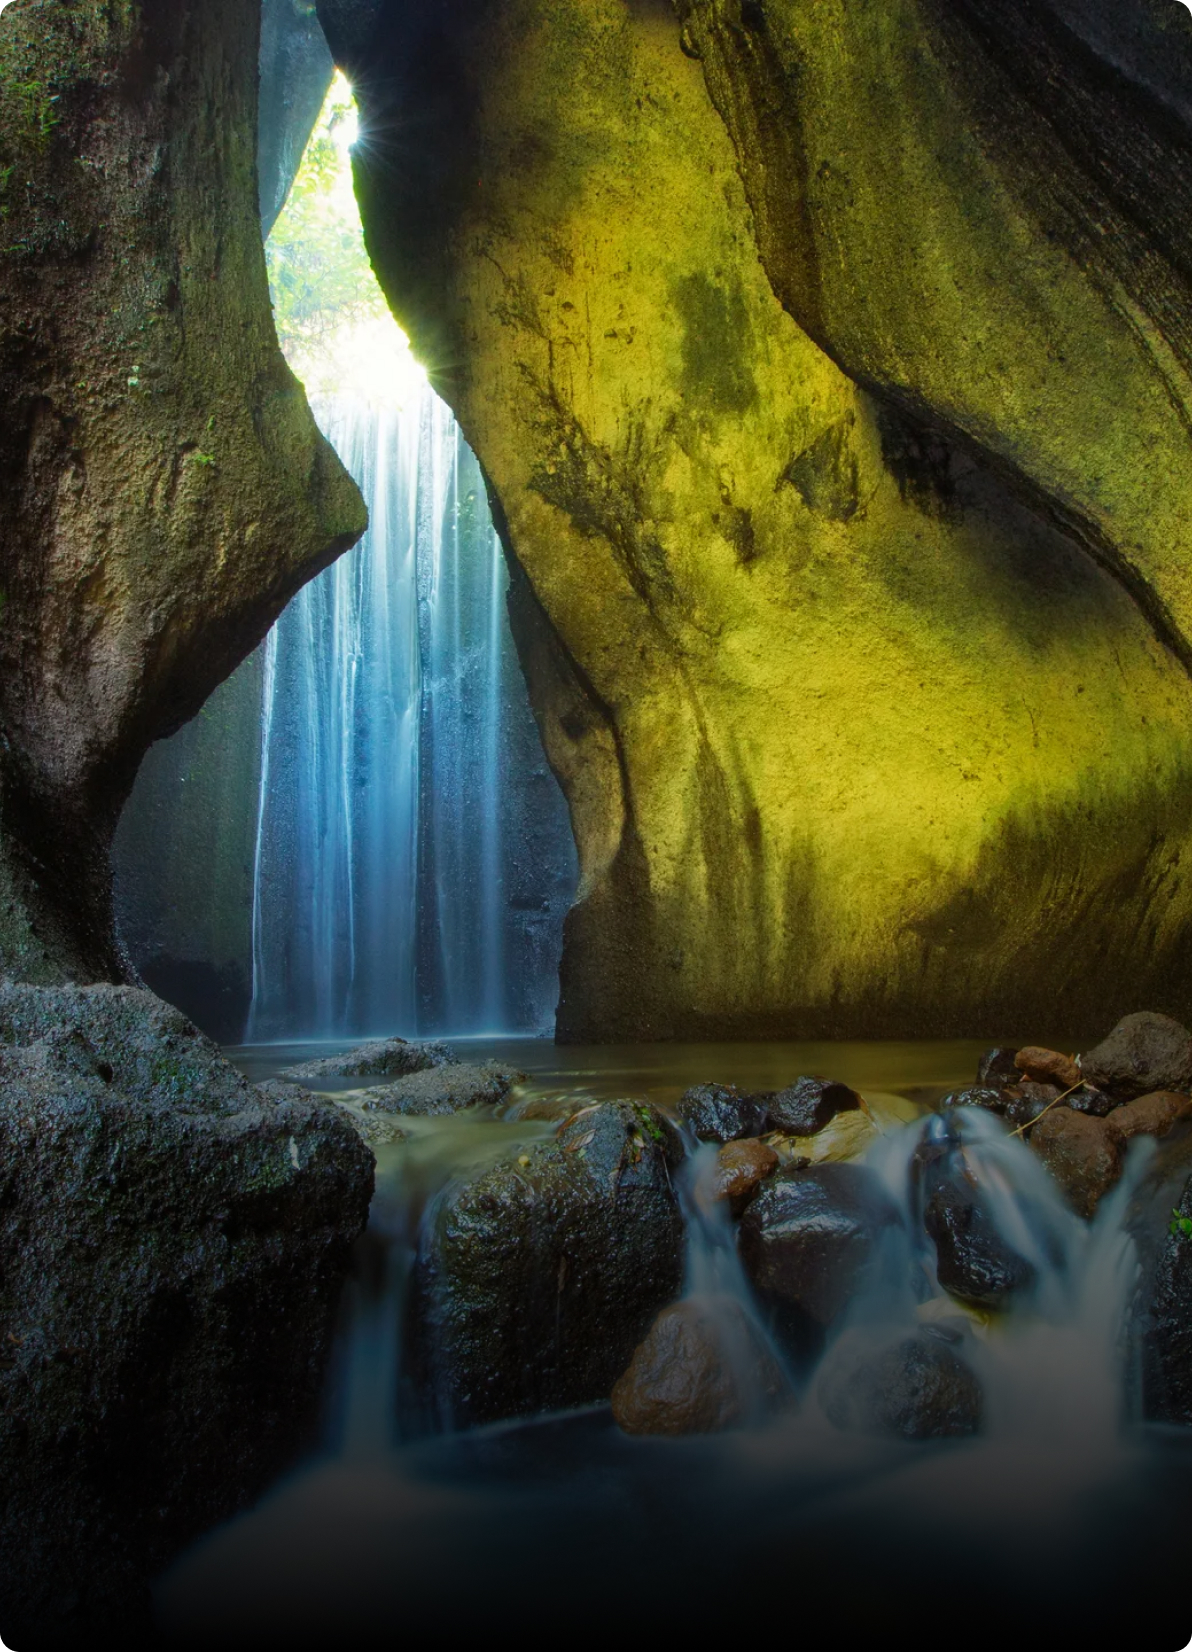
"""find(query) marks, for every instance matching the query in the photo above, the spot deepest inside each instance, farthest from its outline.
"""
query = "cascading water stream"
(400, 768)
(1052, 1362)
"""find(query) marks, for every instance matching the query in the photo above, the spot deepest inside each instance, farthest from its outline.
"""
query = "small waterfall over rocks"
(413, 861)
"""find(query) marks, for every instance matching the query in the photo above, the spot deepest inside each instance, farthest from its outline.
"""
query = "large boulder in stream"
(973, 1260)
(807, 1105)
(172, 1242)
(451, 1087)
(1143, 1053)
(721, 1113)
(703, 1367)
(808, 1239)
(537, 1278)
(1083, 1154)
(919, 1389)
(380, 1058)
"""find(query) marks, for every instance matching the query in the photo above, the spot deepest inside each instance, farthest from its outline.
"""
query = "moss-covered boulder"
(163, 488)
(864, 722)
(537, 1278)
(172, 1243)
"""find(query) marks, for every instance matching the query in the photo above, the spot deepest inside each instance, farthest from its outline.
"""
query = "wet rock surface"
(1083, 1154)
(536, 1280)
(1153, 1115)
(377, 1059)
(1027, 1101)
(973, 1261)
(1048, 1066)
(993, 1100)
(920, 1389)
(809, 1104)
(1087, 1098)
(1143, 1053)
(702, 1367)
(172, 1242)
(721, 1113)
(741, 1167)
(1160, 1315)
(447, 1088)
(998, 1067)
(808, 1237)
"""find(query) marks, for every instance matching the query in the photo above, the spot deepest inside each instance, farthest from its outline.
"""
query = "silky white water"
(413, 859)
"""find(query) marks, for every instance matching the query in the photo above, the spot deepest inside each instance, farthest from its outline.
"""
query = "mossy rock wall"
(163, 488)
(870, 722)
(184, 857)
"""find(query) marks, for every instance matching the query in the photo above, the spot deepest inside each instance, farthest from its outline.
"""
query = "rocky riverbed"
(826, 1254)
(555, 1277)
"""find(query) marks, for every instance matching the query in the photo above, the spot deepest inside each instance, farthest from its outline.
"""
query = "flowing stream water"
(1063, 1514)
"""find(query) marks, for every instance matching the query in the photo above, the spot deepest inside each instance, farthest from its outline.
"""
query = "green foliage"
(319, 273)
(1181, 1228)
(38, 116)
(648, 1125)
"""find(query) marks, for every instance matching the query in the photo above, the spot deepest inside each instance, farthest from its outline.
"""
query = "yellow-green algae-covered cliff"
(848, 495)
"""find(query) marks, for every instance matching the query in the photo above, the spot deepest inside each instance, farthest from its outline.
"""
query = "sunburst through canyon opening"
(360, 833)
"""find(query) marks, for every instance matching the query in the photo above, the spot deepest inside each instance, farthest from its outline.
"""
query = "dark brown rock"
(1048, 1066)
(741, 1166)
(1083, 1154)
(537, 1279)
(921, 1389)
(973, 1261)
(997, 1067)
(1087, 1098)
(808, 1236)
(701, 1368)
(808, 1104)
(1160, 1314)
(1025, 1102)
(1153, 1115)
(719, 1112)
(1142, 1054)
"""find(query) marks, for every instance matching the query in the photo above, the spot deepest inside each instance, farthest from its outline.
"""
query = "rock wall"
(846, 487)
(184, 855)
(296, 70)
(163, 489)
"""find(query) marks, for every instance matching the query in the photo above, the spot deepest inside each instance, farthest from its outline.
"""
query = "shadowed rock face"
(851, 621)
(172, 1243)
(163, 489)
(296, 70)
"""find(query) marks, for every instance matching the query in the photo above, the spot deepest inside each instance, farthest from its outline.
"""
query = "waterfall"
(399, 763)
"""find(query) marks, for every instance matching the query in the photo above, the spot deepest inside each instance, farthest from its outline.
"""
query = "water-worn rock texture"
(868, 704)
(703, 1367)
(919, 1389)
(163, 489)
(536, 1280)
(172, 1240)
